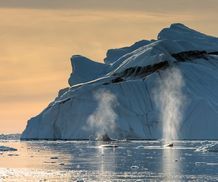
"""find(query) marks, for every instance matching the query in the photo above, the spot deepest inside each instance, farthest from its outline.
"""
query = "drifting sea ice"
(4, 149)
(211, 147)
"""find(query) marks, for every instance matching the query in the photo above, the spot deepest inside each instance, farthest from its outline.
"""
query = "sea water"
(116, 161)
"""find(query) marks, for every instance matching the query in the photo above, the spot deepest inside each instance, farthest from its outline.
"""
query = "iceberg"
(116, 98)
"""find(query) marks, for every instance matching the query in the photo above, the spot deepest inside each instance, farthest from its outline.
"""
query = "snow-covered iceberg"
(117, 97)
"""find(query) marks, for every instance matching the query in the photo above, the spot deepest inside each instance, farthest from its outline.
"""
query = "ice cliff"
(117, 97)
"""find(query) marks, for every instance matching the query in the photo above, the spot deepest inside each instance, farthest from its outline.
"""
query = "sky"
(38, 37)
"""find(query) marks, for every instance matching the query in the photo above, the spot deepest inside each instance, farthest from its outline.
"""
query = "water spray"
(103, 120)
(169, 100)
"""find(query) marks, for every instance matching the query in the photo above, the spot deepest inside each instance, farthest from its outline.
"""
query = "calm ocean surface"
(117, 161)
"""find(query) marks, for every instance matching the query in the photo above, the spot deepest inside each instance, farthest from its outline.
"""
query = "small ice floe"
(5, 149)
(9, 136)
(13, 155)
(200, 163)
(140, 147)
(49, 162)
(212, 164)
(206, 164)
(212, 147)
(134, 167)
(109, 146)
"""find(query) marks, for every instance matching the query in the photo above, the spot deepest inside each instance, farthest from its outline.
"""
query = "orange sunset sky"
(38, 37)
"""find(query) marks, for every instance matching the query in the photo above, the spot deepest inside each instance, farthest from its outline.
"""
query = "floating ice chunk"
(212, 164)
(140, 147)
(9, 136)
(200, 163)
(13, 155)
(4, 149)
(212, 147)
(109, 146)
(134, 167)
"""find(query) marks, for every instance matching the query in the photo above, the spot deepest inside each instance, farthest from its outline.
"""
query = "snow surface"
(114, 54)
(130, 76)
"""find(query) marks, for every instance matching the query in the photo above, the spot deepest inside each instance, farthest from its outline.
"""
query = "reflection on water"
(107, 161)
(171, 163)
(90, 161)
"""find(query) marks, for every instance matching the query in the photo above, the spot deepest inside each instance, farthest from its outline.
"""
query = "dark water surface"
(118, 161)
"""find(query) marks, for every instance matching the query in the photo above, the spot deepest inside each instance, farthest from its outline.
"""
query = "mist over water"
(170, 101)
(103, 120)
